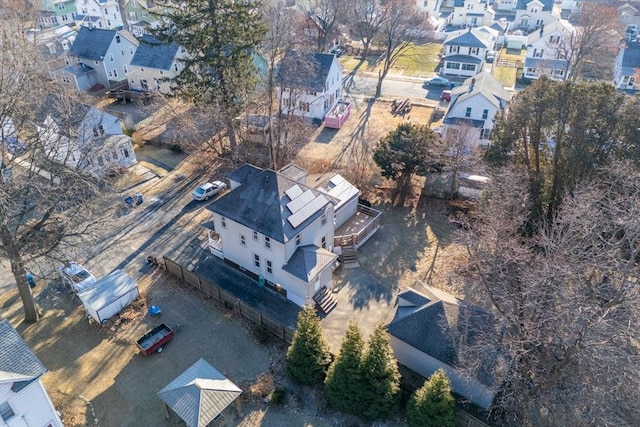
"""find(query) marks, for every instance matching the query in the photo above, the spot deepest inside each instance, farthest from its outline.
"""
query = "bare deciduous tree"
(366, 20)
(565, 302)
(329, 14)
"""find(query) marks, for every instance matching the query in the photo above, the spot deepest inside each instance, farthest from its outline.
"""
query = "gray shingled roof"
(630, 58)
(92, 43)
(67, 114)
(17, 361)
(468, 38)
(304, 70)
(260, 204)
(544, 63)
(483, 84)
(308, 261)
(152, 53)
(547, 5)
(199, 394)
(244, 173)
(467, 59)
(411, 296)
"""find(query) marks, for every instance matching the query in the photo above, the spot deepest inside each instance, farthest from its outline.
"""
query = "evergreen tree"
(220, 37)
(345, 381)
(308, 356)
(382, 379)
(433, 405)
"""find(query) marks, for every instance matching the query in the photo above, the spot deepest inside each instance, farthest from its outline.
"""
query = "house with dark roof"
(98, 57)
(23, 398)
(279, 227)
(472, 108)
(626, 71)
(427, 333)
(154, 64)
(53, 13)
(317, 34)
(83, 137)
(470, 13)
(308, 84)
(546, 51)
(532, 14)
(465, 50)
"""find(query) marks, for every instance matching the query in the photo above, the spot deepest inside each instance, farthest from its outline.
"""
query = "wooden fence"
(230, 301)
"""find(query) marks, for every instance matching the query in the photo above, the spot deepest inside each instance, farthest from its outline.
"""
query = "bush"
(344, 383)
(278, 396)
(308, 356)
(433, 405)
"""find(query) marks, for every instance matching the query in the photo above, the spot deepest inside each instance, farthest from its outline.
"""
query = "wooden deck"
(358, 228)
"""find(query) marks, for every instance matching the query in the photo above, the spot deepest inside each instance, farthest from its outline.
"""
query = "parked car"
(77, 277)
(491, 56)
(437, 81)
(445, 95)
(210, 189)
(337, 52)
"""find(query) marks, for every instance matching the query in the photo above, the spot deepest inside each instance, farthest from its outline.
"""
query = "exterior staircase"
(325, 300)
(349, 257)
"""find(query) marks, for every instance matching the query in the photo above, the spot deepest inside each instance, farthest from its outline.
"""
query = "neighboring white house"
(430, 10)
(154, 63)
(470, 13)
(547, 50)
(309, 85)
(630, 19)
(627, 67)
(473, 106)
(98, 56)
(23, 398)
(425, 335)
(532, 14)
(465, 50)
(279, 227)
(54, 44)
(52, 13)
(104, 14)
(83, 137)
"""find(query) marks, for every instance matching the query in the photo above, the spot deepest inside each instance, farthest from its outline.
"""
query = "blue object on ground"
(139, 199)
(129, 201)
(31, 280)
(154, 310)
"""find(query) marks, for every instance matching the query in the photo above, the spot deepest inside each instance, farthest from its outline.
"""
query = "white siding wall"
(426, 365)
(122, 54)
(346, 211)
(31, 406)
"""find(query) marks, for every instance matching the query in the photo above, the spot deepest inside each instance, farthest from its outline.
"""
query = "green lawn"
(417, 61)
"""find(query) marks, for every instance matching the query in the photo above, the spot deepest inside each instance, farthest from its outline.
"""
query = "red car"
(445, 95)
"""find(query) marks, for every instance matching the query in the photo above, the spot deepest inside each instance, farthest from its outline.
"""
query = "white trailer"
(109, 296)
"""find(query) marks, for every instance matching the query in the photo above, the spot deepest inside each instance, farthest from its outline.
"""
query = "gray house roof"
(199, 394)
(308, 261)
(17, 361)
(547, 5)
(550, 64)
(437, 327)
(152, 53)
(468, 38)
(92, 43)
(484, 84)
(265, 203)
(304, 70)
(630, 59)
(244, 173)
(466, 59)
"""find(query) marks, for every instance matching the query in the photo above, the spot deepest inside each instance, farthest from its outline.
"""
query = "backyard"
(419, 60)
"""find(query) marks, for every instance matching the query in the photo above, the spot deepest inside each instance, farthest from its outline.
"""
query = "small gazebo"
(199, 394)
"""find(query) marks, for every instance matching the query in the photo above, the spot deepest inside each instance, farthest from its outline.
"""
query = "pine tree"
(220, 37)
(382, 379)
(308, 356)
(433, 405)
(344, 383)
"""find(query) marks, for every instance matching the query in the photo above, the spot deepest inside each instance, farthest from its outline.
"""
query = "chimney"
(473, 83)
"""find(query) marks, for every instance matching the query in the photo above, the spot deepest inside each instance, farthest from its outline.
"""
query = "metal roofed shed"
(199, 394)
(109, 296)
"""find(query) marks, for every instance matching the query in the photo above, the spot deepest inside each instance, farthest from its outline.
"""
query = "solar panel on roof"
(293, 192)
(295, 205)
(307, 196)
(296, 219)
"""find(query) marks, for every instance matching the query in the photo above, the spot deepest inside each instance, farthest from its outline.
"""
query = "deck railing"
(357, 239)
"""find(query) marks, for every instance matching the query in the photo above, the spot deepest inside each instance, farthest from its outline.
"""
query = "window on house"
(96, 62)
(267, 242)
(131, 52)
(324, 218)
(255, 235)
(470, 6)
(125, 152)
(632, 80)
(474, 50)
(324, 242)
(98, 130)
(425, 4)
(256, 260)
(469, 67)
(114, 155)
(485, 114)
(298, 240)
(66, 79)
(453, 65)
(124, 68)
(304, 106)
(485, 134)
(223, 221)
(467, 113)
(111, 57)
(269, 267)
(6, 413)
(243, 241)
(175, 67)
(454, 49)
(117, 38)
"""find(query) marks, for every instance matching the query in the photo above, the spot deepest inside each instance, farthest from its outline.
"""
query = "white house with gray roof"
(425, 336)
(547, 50)
(23, 398)
(470, 13)
(279, 227)
(105, 14)
(465, 50)
(308, 85)
(154, 64)
(473, 106)
(98, 56)
(626, 72)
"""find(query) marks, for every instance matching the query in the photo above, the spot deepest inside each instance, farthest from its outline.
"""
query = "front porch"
(358, 229)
